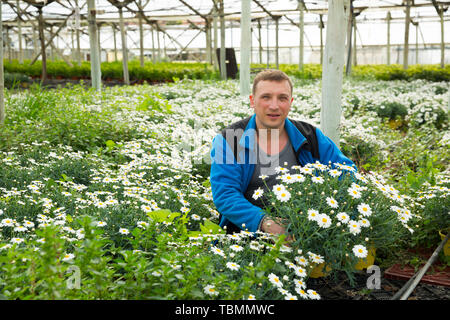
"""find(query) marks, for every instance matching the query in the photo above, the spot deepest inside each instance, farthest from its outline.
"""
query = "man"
(252, 149)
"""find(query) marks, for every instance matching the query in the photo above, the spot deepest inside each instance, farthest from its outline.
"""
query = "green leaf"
(163, 215)
(110, 144)
(210, 227)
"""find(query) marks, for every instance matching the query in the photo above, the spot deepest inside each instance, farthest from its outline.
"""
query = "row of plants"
(162, 72)
(159, 72)
(112, 198)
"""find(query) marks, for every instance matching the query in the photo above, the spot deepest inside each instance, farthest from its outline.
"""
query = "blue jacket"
(230, 176)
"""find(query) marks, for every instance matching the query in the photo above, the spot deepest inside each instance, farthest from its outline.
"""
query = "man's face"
(272, 102)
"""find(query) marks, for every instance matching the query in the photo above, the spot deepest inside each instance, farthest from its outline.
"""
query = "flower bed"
(114, 188)
(338, 213)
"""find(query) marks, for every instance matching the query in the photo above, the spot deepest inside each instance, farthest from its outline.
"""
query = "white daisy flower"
(184, 209)
(315, 258)
(364, 209)
(218, 251)
(282, 291)
(233, 266)
(301, 292)
(68, 257)
(284, 196)
(364, 223)
(335, 173)
(289, 296)
(360, 251)
(275, 280)
(313, 214)
(300, 272)
(301, 260)
(278, 188)
(7, 223)
(287, 178)
(354, 193)
(343, 217)
(332, 202)
(142, 224)
(299, 283)
(17, 240)
(20, 229)
(28, 224)
(258, 193)
(124, 231)
(354, 227)
(318, 180)
(319, 166)
(210, 290)
(324, 221)
(290, 264)
(101, 224)
(307, 170)
(146, 208)
(236, 248)
(298, 178)
(313, 295)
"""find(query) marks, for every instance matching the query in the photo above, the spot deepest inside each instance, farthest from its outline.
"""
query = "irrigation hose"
(415, 279)
(405, 286)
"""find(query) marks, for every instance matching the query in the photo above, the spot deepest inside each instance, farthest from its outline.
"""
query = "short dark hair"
(271, 75)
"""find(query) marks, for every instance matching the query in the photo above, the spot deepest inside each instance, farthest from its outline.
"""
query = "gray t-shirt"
(266, 165)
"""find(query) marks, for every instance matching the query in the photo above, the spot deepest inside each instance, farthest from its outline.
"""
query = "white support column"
(223, 66)
(441, 16)
(141, 40)
(153, 45)
(19, 25)
(78, 27)
(388, 47)
(277, 24)
(115, 42)
(215, 39)
(406, 44)
(208, 40)
(2, 80)
(95, 52)
(123, 34)
(302, 31)
(333, 65)
(246, 39)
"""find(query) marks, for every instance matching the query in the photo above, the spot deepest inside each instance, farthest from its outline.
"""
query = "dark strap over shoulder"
(309, 132)
(234, 134)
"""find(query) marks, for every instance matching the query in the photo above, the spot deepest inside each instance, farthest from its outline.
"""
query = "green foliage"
(392, 110)
(13, 80)
(55, 116)
(158, 72)
(433, 202)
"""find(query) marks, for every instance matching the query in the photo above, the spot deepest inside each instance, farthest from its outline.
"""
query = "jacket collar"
(248, 138)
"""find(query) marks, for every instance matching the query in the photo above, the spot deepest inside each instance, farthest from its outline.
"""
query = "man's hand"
(270, 226)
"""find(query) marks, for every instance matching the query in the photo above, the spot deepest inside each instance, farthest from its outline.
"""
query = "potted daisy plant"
(337, 214)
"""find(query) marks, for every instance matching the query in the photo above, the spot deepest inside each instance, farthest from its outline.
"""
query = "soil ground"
(341, 289)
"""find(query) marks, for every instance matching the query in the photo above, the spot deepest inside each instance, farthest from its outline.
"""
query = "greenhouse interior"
(213, 150)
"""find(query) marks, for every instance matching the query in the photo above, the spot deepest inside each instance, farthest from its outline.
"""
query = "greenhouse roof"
(195, 11)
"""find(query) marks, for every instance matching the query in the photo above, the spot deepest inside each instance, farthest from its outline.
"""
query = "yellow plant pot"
(395, 124)
(443, 234)
(367, 261)
(320, 270)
